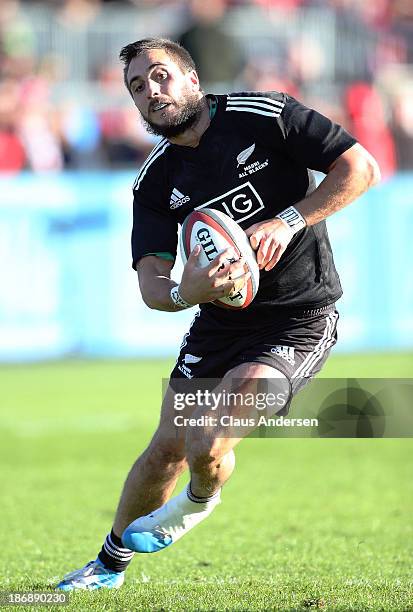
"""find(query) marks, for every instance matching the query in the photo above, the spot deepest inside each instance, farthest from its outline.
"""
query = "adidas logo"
(285, 352)
(177, 199)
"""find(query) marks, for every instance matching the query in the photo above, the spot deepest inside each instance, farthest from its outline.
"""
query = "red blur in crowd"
(12, 154)
(368, 125)
(46, 125)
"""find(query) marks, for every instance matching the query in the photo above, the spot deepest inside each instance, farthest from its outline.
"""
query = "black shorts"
(296, 345)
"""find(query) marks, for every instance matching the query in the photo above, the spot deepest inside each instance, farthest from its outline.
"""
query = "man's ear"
(194, 79)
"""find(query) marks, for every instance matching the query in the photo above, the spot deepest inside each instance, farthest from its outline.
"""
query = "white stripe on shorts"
(326, 341)
(185, 338)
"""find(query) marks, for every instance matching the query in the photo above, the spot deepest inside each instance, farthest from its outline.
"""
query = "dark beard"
(187, 117)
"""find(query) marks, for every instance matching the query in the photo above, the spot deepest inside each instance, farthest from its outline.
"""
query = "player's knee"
(202, 454)
(165, 453)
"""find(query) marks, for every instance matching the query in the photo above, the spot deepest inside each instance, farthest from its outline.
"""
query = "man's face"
(168, 99)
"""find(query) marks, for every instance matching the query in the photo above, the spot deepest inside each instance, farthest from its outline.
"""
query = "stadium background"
(70, 147)
(71, 144)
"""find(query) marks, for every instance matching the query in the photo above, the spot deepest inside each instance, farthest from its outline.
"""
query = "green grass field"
(304, 523)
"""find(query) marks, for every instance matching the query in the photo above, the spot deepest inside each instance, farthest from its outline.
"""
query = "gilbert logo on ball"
(215, 231)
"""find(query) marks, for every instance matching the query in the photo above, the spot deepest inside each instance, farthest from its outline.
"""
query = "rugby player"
(249, 155)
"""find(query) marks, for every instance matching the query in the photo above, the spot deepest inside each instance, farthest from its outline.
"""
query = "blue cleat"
(145, 541)
(94, 575)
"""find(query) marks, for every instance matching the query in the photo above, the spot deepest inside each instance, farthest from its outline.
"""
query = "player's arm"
(312, 141)
(154, 234)
(155, 283)
(198, 284)
(348, 177)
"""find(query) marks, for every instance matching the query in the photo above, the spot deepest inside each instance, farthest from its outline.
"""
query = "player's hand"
(269, 239)
(222, 277)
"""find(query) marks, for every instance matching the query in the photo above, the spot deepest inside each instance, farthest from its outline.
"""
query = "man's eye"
(162, 76)
(138, 88)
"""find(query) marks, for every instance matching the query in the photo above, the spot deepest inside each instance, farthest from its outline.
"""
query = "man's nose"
(153, 89)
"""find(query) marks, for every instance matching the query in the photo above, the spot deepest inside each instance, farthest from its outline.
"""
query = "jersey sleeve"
(154, 229)
(310, 138)
(306, 136)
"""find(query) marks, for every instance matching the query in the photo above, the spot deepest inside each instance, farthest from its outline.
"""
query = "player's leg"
(295, 351)
(152, 479)
(150, 483)
(209, 451)
(285, 368)
(210, 457)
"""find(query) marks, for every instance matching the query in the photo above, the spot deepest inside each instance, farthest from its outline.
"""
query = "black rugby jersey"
(253, 161)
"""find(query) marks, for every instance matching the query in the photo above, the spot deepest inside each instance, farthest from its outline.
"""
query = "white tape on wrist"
(293, 219)
(178, 300)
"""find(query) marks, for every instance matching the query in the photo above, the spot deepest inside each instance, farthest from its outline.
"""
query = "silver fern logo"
(191, 358)
(244, 155)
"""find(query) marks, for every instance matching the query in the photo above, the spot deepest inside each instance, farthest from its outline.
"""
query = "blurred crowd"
(63, 104)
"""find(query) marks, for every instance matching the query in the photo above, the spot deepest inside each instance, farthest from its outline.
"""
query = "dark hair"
(174, 49)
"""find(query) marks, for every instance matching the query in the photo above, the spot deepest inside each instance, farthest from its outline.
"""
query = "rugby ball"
(215, 231)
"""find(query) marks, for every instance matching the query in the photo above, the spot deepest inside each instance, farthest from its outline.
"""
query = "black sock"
(114, 555)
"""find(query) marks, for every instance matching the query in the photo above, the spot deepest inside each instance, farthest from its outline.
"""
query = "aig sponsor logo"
(240, 203)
